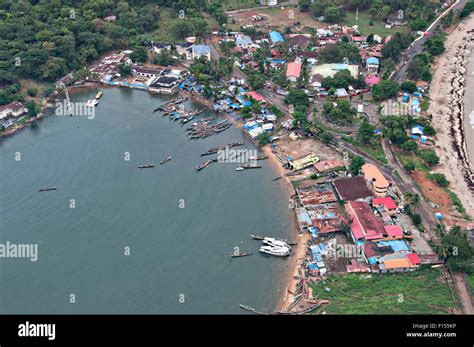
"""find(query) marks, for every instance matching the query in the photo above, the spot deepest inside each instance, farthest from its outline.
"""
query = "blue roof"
(372, 60)
(339, 66)
(275, 36)
(201, 49)
(243, 40)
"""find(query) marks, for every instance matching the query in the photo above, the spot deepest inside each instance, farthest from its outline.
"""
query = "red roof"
(394, 230)
(293, 70)
(386, 201)
(14, 106)
(364, 223)
(371, 80)
(256, 96)
(413, 259)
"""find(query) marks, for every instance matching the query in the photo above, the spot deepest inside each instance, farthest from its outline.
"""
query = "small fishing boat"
(276, 178)
(99, 94)
(257, 237)
(47, 189)
(146, 166)
(165, 160)
(249, 166)
(240, 254)
(202, 165)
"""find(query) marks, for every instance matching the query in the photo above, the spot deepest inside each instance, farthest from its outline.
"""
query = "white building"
(13, 109)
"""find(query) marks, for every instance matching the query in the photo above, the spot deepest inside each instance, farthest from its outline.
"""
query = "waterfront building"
(13, 109)
(303, 162)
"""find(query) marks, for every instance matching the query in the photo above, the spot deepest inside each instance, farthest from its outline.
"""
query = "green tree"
(410, 146)
(409, 167)
(32, 91)
(139, 54)
(385, 89)
(408, 86)
(356, 164)
(365, 134)
(440, 179)
(332, 14)
(264, 138)
(429, 156)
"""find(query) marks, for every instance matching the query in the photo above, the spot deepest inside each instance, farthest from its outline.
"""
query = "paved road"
(417, 45)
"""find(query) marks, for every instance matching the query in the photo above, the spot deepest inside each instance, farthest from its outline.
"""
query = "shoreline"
(293, 271)
(449, 116)
(299, 251)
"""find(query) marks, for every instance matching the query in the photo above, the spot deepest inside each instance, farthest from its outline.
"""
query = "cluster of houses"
(368, 218)
(11, 113)
(306, 47)
(164, 81)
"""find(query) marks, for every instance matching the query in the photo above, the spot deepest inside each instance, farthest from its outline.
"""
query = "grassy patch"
(417, 292)
(470, 282)
(375, 151)
(230, 5)
(457, 202)
(408, 157)
(365, 28)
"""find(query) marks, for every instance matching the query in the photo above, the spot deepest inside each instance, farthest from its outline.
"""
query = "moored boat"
(239, 168)
(249, 166)
(99, 94)
(276, 251)
(202, 165)
(270, 241)
(47, 189)
(165, 160)
(146, 166)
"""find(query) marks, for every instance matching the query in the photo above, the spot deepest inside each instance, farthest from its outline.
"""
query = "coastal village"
(328, 122)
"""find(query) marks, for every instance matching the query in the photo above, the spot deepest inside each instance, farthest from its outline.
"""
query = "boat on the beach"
(99, 94)
(202, 165)
(276, 251)
(165, 160)
(146, 166)
(47, 189)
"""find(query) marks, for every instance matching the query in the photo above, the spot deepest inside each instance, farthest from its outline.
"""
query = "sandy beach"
(298, 251)
(451, 103)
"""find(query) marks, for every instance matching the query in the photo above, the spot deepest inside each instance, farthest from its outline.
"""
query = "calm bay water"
(175, 253)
